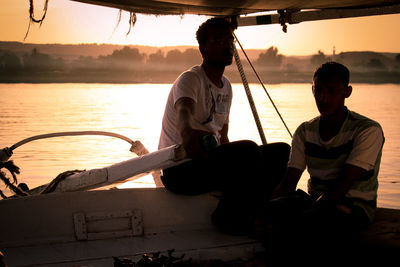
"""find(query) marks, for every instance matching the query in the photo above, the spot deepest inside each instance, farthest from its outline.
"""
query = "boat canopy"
(231, 7)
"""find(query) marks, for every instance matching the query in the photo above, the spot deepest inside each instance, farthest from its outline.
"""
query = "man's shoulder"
(361, 121)
(192, 74)
(307, 128)
(357, 116)
(310, 125)
(226, 81)
(195, 70)
(189, 78)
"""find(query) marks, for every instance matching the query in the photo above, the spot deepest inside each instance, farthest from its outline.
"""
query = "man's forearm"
(184, 109)
(184, 121)
(224, 134)
(350, 175)
(288, 184)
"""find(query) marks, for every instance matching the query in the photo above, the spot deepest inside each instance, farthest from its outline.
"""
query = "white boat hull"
(89, 228)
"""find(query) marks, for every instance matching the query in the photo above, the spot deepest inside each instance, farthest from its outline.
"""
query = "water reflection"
(136, 111)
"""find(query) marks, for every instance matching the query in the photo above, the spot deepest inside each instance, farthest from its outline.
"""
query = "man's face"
(218, 50)
(330, 93)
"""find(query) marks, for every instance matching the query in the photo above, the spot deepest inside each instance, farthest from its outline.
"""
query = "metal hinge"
(104, 225)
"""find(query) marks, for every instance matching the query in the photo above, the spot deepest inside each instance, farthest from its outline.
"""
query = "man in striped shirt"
(341, 150)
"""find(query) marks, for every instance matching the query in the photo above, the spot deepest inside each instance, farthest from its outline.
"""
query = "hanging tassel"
(32, 15)
(132, 21)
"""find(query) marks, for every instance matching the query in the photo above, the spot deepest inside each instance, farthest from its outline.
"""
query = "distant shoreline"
(159, 77)
(52, 63)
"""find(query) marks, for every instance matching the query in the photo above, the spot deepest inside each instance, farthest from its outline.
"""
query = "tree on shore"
(270, 58)
(319, 58)
(375, 63)
(125, 58)
(187, 58)
(155, 58)
(36, 61)
(84, 64)
(9, 62)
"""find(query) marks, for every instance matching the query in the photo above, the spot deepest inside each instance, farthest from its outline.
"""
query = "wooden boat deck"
(90, 227)
(384, 233)
(78, 228)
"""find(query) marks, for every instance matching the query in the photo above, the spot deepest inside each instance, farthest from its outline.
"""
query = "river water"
(136, 110)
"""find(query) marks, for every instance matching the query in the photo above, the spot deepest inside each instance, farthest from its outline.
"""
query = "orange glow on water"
(136, 111)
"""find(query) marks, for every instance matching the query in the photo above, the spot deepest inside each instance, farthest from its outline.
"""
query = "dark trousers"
(244, 172)
(295, 226)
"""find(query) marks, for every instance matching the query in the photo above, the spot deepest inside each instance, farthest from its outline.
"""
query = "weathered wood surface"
(384, 233)
(47, 229)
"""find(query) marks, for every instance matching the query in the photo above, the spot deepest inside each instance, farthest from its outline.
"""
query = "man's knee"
(279, 151)
(238, 149)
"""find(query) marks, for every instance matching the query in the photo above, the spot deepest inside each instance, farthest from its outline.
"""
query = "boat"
(83, 220)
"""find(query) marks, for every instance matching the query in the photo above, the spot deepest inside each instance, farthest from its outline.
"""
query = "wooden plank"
(384, 233)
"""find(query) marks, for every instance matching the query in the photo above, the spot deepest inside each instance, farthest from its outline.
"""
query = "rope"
(53, 184)
(19, 192)
(249, 96)
(13, 169)
(262, 84)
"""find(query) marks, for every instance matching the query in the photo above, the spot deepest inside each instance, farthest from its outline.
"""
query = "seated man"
(196, 112)
(341, 150)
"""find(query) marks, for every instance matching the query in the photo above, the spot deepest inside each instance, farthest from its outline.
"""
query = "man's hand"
(350, 175)
(191, 141)
(288, 184)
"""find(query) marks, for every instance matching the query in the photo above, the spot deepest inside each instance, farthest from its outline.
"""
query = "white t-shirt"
(212, 105)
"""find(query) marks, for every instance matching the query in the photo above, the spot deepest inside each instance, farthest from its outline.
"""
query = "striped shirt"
(359, 143)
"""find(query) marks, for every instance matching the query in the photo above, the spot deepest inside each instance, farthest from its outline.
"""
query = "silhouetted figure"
(197, 116)
(341, 150)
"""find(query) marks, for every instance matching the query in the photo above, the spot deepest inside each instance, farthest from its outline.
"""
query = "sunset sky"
(71, 22)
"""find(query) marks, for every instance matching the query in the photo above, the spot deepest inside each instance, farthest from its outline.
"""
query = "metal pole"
(296, 16)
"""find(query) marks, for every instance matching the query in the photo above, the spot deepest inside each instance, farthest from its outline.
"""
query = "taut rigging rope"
(249, 96)
(261, 82)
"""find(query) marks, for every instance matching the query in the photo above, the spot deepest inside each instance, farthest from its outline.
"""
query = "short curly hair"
(332, 68)
(202, 31)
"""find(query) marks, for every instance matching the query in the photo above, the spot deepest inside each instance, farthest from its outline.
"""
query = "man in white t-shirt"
(210, 107)
(197, 109)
